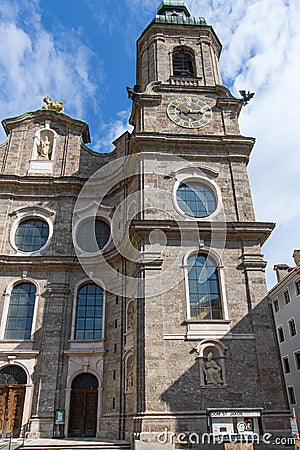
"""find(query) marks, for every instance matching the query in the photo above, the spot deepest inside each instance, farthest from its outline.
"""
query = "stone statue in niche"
(129, 381)
(130, 326)
(212, 371)
(44, 148)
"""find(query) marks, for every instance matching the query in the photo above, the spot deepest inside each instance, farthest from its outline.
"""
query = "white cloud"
(136, 5)
(113, 129)
(35, 63)
(261, 41)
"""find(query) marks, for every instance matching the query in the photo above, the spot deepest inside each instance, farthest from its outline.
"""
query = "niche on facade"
(130, 325)
(130, 317)
(129, 375)
(43, 150)
(211, 361)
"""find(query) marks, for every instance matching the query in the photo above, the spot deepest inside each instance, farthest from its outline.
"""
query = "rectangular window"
(286, 296)
(291, 394)
(297, 286)
(297, 359)
(292, 326)
(286, 364)
(280, 334)
(276, 305)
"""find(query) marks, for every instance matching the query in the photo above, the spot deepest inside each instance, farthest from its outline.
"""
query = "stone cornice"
(42, 179)
(199, 146)
(41, 262)
(257, 231)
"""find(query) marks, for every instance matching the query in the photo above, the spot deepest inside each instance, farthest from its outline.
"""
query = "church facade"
(132, 282)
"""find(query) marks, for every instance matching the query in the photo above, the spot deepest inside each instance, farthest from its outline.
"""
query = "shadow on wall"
(250, 371)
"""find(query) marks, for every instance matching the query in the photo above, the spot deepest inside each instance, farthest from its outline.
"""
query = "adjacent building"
(133, 287)
(284, 298)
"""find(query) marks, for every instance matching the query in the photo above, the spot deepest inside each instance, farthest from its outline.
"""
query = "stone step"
(80, 447)
(14, 444)
(68, 444)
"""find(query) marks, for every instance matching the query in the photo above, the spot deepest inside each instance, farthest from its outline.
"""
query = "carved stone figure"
(44, 148)
(51, 104)
(130, 326)
(129, 381)
(212, 371)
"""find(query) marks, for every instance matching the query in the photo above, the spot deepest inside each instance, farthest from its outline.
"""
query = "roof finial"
(173, 8)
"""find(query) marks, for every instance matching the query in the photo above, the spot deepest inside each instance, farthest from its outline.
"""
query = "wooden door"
(11, 408)
(83, 413)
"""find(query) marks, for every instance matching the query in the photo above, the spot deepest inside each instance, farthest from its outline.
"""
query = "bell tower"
(205, 355)
(165, 53)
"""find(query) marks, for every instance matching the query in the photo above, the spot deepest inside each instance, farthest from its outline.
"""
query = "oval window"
(92, 235)
(31, 235)
(196, 199)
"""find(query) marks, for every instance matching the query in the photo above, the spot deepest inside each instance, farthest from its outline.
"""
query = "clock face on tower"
(189, 112)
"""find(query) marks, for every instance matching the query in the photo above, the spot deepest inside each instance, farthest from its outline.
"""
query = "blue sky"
(83, 52)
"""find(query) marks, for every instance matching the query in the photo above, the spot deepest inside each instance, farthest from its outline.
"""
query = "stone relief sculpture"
(212, 371)
(130, 324)
(51, 104)
(44, 148)
(129, 375)
(129, 381)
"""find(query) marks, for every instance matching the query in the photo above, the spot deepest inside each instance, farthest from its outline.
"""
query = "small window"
(297, 359)
(292, 326)
(31, 235)
(297, 286)
(286, 296)
(286, 364)
(183, 64)
(276, 305)
(196, 199)
(291, 394)
(280, 334)
(20, 312)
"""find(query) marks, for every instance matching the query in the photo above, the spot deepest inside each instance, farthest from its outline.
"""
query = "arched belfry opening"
(183, 63)
(84, 406)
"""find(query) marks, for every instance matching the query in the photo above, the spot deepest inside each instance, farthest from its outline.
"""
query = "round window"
(92, 235)
(196, 199)
(31, 235)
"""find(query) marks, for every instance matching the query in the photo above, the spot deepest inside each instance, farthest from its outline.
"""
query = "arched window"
(89, 313)
(204, 290)
(20, 312)
(183, 64)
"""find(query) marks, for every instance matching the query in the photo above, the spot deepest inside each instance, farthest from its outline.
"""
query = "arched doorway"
(83, 406)
(13, 380)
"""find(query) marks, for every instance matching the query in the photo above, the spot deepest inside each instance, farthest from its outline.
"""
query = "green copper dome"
(176, 12)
